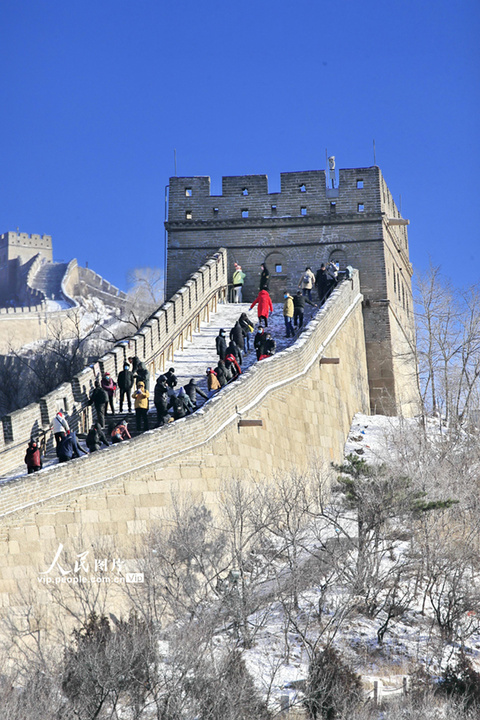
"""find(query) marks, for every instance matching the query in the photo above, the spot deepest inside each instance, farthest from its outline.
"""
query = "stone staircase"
(48, 280)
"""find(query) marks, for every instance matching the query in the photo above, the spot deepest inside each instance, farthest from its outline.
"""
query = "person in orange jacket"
(141, 396)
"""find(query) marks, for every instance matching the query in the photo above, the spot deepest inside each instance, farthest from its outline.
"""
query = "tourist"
(125, 383)
(141, 396)
(331, 274)
(269, 347)
(238, 279)
(288, 314)
(247, 329)
(99, 400)
(221, 344)
(139, 371)
(212, 380)
(321, 283)
(171, 379)
(192, 389)
(231, 362)
(161, 400)
(307, 282)
(95, 438)
(264, 302)
(259, 341)
(120, 432)
(68, 448)
(299, 308)
(180, 405)
(60, 427)
(221, 373)
(109, 386)
(234, 350)
(264, 278)
(33, 459)
(237, 336)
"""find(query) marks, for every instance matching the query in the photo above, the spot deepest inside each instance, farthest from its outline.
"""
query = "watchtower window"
(278, 268)
(361, 207)
(274, 209)
(245, 213)
(303, 188)
(215, 211)
(303, 211)
(333, 207)
(188, 192)
(188, 215)
(245, 192)
(359, 184)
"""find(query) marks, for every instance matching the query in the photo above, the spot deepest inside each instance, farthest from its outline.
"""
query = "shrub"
(462, 682)
(333, 688)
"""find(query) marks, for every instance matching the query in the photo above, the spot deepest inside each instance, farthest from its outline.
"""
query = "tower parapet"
(350, 218)
(24, 246)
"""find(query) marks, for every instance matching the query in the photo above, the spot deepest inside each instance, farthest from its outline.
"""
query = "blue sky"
(96, 95)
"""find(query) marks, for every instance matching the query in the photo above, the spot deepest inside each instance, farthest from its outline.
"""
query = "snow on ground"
(410, 640)
(374, 437)
(55, 305)
(198, 354)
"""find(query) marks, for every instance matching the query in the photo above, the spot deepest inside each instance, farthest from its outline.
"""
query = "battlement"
(155, 342)
(24, 246)
(347, 216)
(357, 191)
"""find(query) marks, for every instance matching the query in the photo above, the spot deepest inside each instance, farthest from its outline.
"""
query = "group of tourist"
(171, 404)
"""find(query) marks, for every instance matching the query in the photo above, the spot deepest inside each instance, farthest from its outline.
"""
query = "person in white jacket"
(60, 426)
(307, 281)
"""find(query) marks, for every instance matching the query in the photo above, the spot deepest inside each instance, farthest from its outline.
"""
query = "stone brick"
(285, 239)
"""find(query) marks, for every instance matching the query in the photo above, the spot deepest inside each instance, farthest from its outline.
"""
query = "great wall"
(288, 411)
(119, 493)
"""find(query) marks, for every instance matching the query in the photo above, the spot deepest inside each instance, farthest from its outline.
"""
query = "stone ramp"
(192, 362)
(48, 280)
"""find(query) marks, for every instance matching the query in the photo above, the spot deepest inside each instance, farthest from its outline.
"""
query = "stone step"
(48, 279)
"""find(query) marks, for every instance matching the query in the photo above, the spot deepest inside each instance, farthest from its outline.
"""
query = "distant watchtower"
(17, 252)
(24, 247)
(355, 222)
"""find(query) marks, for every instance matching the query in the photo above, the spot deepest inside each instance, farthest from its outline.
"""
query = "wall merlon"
(118, 467)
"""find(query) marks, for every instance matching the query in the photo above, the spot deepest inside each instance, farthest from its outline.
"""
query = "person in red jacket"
(33, 459)
(265, 306)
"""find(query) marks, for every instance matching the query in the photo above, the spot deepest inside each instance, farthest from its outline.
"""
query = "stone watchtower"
(353, 220)
(17, 251)
(24, 247)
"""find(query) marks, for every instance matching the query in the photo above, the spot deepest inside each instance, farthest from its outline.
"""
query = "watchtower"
(350, 218)
(23, 246)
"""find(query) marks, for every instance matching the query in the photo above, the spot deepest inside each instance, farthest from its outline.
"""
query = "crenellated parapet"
(347, 216)
(155, 343)
(288, 413)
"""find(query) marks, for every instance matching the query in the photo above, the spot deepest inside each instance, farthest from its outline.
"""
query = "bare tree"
(448, 341)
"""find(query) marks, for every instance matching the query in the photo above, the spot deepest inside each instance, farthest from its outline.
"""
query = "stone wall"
(89, 282)
(24, 246)
(356, 223)
(116, 495)
(155, 343)
(28, 323)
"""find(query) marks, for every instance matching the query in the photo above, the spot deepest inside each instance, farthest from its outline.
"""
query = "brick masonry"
(356, 223)
(154, 343)
(111, 498)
